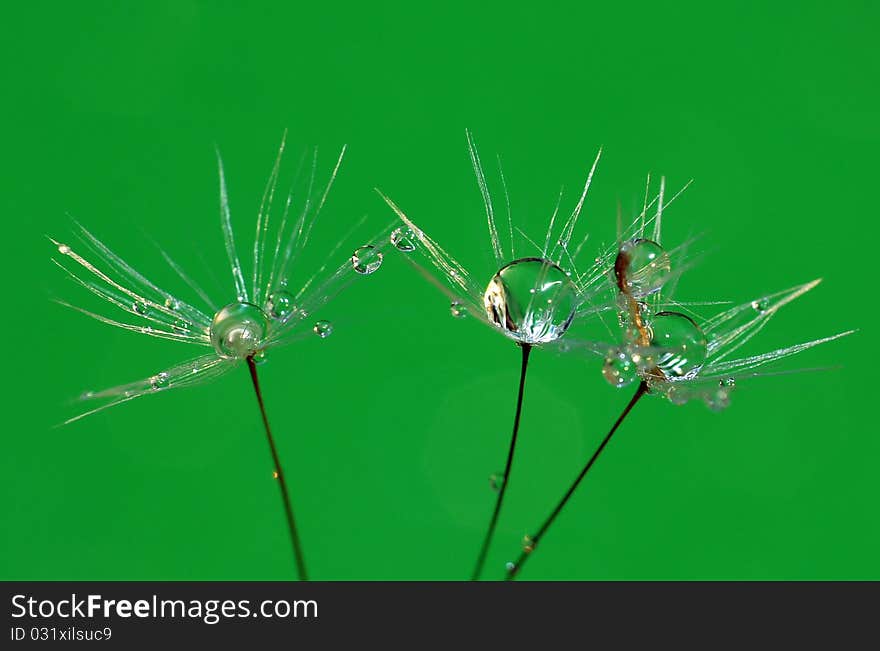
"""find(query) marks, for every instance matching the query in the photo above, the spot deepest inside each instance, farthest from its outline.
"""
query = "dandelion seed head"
(239, 330)
(532, 300)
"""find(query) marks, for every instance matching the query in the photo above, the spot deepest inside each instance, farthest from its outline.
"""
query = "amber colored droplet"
(274, 474)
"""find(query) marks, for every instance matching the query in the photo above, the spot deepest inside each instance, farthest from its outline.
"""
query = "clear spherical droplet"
(160, 381)
(642, 267)
(323, 329)
(280, 304)
(366, 259)
(681, 345)
(172, 303)
(510, 566)
(619, 369)
(761, 305)
(727, 382)
(238, 330)
(458, 309)
(140, 308)
(402, 239)
(532, 300)
(496, 481)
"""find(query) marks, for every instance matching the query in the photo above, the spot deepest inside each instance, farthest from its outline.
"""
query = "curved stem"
(533, 540)
(487, 541)
(279, 475)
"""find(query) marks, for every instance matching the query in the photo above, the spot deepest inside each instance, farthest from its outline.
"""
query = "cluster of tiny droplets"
(661, 347)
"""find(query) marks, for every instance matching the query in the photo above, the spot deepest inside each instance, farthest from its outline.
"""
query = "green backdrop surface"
(390, 428)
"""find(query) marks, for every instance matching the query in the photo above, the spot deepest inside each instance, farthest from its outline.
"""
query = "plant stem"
(487, 541)
(533, 542)
(279, 475)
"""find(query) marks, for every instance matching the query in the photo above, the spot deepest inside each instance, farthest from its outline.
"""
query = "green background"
(390, 427)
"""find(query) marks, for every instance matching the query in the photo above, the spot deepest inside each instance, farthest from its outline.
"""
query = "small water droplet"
(642, 267)
(532, 300)
(496, 481)
(274, 474)
(458, 309)
(172, 303)
(140, 308)
(719, 399)
(727, 382)
(323, 329)
(760, 306)
(528, 544)
(86, 395)
(279, 305)
(238, 330)
(63, 249)
(260, 357)
(181, 326)
(401, 238)
(366, 259)
(619, 370)
(681, 344)
(160, 381)
(510, 566)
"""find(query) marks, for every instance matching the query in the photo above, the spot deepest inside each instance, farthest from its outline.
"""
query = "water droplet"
(510, 566)
(619, 369)
(260, 357)
(238, 330)
(366, 259)
(172, 303)
(279, 305)
(528, 544)
(63, 249)
(642, 267)
(727, 382)
(719, 399)
(160, 381)
(761, 305)
(274, 474)
(532, 300)
(140, 308)
(401, 238)
(181, 326)
(681, 344)
(458, 310)
(496, 481)
(323, 329)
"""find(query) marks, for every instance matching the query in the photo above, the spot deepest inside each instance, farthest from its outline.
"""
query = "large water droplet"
(402, 239)
(458, 309)
(279, 304)
(619, 369)
(642, 267)
(532, 299)
(366, 259)
(323, 329)
(681, 344)
(238, 330)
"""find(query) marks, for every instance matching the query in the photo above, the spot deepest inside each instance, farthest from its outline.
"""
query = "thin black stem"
(487, 541)
(279, 475)
(533, 540)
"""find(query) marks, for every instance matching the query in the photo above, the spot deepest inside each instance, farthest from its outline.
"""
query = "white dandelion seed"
(264, 313)
(670, 353)
(531, 299)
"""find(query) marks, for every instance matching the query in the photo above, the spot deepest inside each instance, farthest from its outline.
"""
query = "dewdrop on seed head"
(681, 345)
(642, 267)
(366, 259)
(238, 330)
(532, 299)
